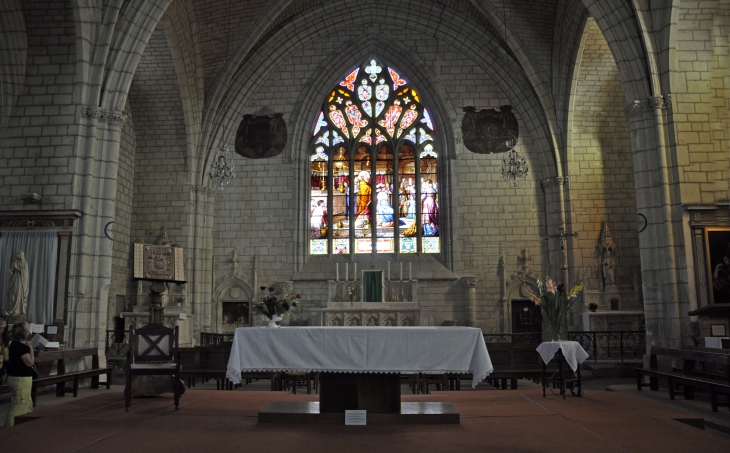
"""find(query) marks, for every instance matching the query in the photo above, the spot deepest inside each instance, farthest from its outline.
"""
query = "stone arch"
(473, 42)
(224, 286)
(515, 289)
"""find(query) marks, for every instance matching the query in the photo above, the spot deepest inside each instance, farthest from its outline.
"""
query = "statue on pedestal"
(17, 294)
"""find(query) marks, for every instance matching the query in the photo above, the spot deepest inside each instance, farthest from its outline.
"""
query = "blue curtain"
(41, 254)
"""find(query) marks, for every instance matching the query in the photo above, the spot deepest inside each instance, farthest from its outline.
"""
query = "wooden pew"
(53, 370)
(696, 371)
(513, 361)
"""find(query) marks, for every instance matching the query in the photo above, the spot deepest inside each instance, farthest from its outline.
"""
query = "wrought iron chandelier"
(221, 169)
(514, 165)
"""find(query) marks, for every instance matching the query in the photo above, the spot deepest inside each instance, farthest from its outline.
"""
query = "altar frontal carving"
(260, 137)
(486, 131)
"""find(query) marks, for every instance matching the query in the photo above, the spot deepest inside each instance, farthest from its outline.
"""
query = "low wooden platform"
(411, 413)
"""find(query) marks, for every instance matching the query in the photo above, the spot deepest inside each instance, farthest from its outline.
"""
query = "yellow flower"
(577, 287)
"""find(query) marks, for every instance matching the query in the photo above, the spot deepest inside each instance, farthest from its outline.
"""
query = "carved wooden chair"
(153, 350)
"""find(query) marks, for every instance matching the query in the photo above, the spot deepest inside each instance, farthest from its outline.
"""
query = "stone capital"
(208, 191)
(470, 281)
(553, 182)
(108, 116)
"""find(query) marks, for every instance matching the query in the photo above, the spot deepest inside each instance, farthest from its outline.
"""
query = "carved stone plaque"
(486, 131)
(259, 137)
(159, 262)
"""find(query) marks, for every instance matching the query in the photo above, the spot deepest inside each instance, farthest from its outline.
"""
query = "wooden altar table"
(360, 368)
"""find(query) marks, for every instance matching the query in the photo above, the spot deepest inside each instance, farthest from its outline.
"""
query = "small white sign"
(52, 330)
(357, 417)
(37, 328)
(183, 316)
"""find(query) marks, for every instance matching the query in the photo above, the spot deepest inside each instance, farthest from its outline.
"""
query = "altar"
(372, 299)
(360, 368)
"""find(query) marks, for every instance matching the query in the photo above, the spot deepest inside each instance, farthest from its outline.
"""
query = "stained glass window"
(374, 168)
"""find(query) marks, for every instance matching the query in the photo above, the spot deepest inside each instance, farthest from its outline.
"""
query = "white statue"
(609, 266)
(18, 285)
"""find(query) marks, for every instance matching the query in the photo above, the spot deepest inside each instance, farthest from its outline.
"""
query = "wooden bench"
(53, 370)
(696, 371)
(513, 361)
(205, 362)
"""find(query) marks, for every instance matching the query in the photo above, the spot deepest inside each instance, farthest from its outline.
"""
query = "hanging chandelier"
(221, 169)
(514, 165)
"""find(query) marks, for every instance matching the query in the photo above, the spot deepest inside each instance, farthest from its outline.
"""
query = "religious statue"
(18, 285)
(609, 266)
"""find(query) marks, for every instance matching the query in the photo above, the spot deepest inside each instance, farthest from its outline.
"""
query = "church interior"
(400, 163)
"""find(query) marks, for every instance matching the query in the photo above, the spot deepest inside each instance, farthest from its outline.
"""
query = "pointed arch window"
(374, 168)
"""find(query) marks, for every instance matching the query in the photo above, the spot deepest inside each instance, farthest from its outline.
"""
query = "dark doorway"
(526, 317)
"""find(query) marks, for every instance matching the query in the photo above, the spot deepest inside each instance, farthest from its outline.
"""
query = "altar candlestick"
(401, 271)
(347, 271)
(388, 270)
(337, 272)
(410, 272)
(355, 279)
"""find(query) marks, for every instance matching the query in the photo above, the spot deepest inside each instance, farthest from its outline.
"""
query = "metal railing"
(617, 345)
(214, 339)
(517, 338)
(117, 344)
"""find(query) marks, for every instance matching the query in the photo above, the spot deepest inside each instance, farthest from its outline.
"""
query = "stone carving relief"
(260, 137)
(486, 131)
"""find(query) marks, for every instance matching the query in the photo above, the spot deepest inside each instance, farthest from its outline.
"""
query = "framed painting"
(717, 243)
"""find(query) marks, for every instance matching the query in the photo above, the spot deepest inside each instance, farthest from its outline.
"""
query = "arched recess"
(482, 48)
(516, 290)
(601, 170)
(231, 287)
(619, 25)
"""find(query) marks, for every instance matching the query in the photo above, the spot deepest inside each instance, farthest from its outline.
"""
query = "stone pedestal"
(470, 308)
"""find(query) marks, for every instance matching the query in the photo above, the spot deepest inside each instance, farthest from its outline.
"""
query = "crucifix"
(562, 235)
(525, 259)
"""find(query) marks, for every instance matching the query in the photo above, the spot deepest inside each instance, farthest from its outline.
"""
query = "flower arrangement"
(272, 305)
(554, 301)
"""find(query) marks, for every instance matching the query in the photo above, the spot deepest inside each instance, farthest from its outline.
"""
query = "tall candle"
(347, 271)
(355, 279)
(337, 272)
(388, 270)
(410, 272)
(401, 271)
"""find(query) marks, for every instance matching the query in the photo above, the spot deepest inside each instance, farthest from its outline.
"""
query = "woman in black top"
(20, 372)
(4, 342)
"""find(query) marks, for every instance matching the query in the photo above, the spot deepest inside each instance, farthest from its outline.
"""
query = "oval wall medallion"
(486, 131)
(234, 292)
(259, 137)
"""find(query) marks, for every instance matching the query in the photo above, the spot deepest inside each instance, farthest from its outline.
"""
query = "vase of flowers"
(554, 302)
(275, 307)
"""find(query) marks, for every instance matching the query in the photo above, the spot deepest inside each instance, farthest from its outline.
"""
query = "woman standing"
(4, 342)
(20, 373)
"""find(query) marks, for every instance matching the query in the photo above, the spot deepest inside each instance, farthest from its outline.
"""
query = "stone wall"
(701, 95)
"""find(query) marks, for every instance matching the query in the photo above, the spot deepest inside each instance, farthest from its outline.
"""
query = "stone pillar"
(665, 291)
(95, 190)
(470, 296)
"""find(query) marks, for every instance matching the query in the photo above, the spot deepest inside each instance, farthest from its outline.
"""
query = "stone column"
(665, 291)
(470, 296)
(95, 191)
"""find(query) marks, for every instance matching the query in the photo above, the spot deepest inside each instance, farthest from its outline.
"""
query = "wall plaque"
(487, 130)
(259, 137)
(159, 262)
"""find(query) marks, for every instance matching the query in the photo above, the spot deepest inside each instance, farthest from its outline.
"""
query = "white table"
(349, 356)
(570, 352)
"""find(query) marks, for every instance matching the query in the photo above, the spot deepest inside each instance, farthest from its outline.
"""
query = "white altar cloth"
(360, 350)
(572, 350)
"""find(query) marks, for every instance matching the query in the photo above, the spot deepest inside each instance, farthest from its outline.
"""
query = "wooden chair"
(153, 350)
